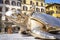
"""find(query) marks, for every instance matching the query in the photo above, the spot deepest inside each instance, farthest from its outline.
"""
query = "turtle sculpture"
(39, 25)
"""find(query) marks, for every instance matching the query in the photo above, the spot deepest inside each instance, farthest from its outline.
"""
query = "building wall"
(34, 1)
(51, 8)
(39, 5)
(56, 9)
(9, 4)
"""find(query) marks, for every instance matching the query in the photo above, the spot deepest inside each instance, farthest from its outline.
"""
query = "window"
(24, 1)
(41, 4)
(25, 8)
(42, 10)
(31, 2)
(6, 9)
(1, 1)
(18, 4)
(7, 2)
(13, 3)
(0, 9)
(37, 3)
(37, 9)
(20, 0)
(56, 7)
(57, 11)
(59, 7)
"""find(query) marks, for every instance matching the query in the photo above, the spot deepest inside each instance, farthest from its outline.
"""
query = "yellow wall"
(29, 6)
(34, 1)
(56, 15)
(51, 8)
(54, 9)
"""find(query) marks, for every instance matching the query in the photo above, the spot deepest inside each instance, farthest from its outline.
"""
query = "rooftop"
(52, 4)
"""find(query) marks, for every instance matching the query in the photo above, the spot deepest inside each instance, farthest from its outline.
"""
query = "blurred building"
(38, 5)
(6, 5)
(24, 5)
(53, 9)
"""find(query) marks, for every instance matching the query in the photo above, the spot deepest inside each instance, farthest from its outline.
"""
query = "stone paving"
(15, 37)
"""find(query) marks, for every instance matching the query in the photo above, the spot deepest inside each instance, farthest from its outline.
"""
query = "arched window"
(37, 9)
(7, 2)
(6, 8)
(41, 4)
(25, 8)
(42, 10)
(18, 4)
(31, 2)
(37, 3)
(13, 3)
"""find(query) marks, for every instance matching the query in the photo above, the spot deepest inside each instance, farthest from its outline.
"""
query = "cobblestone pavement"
(15, 37)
